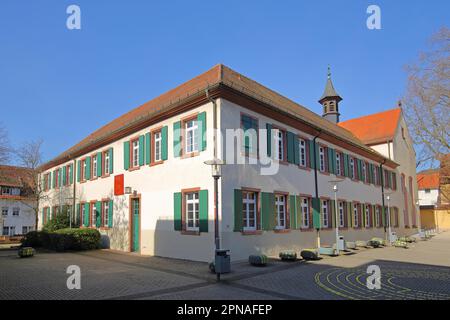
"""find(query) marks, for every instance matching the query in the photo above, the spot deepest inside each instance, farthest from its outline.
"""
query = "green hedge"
(63, 239)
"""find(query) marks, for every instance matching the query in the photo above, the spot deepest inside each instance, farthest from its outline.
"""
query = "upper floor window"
(352, 168)
(249, 209)
(279, 145)
(4, 211)
(375, 175)
(305, 212)
(302, 150)
(250, 140)
(338, 164)
(322, 159)
(16, 212)
(135, 153)
(280, 205)
(157, 140)
(106, 162)
(394, 181)
(191, 135)
(94, 166)
(363, 171)
(83, 169)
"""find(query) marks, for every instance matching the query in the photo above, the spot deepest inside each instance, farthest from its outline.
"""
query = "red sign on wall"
(119, 185)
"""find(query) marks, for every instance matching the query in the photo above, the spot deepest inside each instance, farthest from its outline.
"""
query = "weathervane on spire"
(329, 72)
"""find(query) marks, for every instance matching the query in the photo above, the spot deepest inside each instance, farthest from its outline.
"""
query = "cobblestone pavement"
(420, 272)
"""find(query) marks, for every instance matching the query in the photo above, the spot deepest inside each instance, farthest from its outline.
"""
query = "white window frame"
(367, 215)
(3, 211)
(191, 136)
(93, 222)
(352, 168)
(325, 215)
(338, 164)
(302, 150)
(304, 204)
(195, 202)
(247, 203)
(105, 213)
(280, 205)
(377, 216)
(135, 153)
(322, 159)
(106, 162)
(94, 166)
(5, 228)
(341, 215)
(157, 146)
(356, 214)
(16, 209)
(84, 167)
(83, 212)
(279, 144)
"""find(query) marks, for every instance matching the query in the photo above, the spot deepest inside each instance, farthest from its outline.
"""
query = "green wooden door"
(135, 208)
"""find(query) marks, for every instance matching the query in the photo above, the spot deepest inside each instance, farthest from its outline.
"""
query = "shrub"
(288, 255)
(257, 260)
(25, 252)
(61, 221)
(33, 239)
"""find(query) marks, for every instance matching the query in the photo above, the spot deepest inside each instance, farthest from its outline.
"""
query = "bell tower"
(330, 101)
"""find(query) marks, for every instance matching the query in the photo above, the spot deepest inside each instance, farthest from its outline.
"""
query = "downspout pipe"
(316, 182)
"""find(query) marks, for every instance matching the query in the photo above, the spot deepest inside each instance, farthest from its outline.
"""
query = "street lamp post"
(335, 190)
(216, 167)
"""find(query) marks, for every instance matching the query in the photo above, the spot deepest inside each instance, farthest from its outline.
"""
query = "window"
(377, 216)
(363, 171)
(83, 169)
(106, 162)
(279, 145)
(375, 175)
(6, 190)
(26, 229)
(322, 159)
(83, 214)
(16, 212)
(192, 211)
(367, 216)
(325, 219)
(68, 172)
(280, 205)
(394, 181)
(4, 211)
(305, 212)
(157, 140)
(352, 168)
(338, 164)
(249, 209)
(12, 231)
(5, 231)
(427, 191)
(302, 149)
(105, 205)
(93, 214)
(341, 214)
(356, 214)
(135, 153)
(250, 127)
(191, 135)
(94, 166)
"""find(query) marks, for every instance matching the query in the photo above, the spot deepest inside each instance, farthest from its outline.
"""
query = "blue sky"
(60, 85)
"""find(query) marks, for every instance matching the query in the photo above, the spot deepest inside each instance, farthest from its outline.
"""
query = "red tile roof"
(375, 128)
(11, 176)
(428, 180)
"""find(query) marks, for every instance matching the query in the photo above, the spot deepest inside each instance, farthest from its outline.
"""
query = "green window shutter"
(349, 215)
(99, 164)
(203, 210)
(238, 218)
(141, 150)
(269, 139)
(373, 216)
(110, 214)
(86, 215)
(363, 224)
(201, 118)
(290, 147)
(331, 160)
(268, 211)
(293, 211)
(346, 165)
(111, 159)
(88, 168)
(177, 210)
(164, 150)
(317, 220)
(126, 155)
(147, 148)
(98, 214)
(78, 171)
(71, 173)
(370, 173)
(299, 221)
(358, 169)
(296, 150)
(177, 139)
(311, 154)
(64, 172)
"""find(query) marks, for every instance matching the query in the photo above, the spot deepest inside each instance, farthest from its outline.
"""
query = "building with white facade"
(142, 181)
(17, 208)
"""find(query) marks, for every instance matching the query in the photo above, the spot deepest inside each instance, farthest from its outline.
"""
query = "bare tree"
(426, 103)
(30, 157)
(4, 145)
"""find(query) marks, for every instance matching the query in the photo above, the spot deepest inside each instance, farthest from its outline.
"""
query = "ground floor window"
(192, 211)
(325, 212)
(93, 214)
(341, 214)
(105, 205)
(9, 231)
(377, 216)
(249, 203)
(367, 216)
(280, 205)
(26, 229)
(305, 212)
(355, 215)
